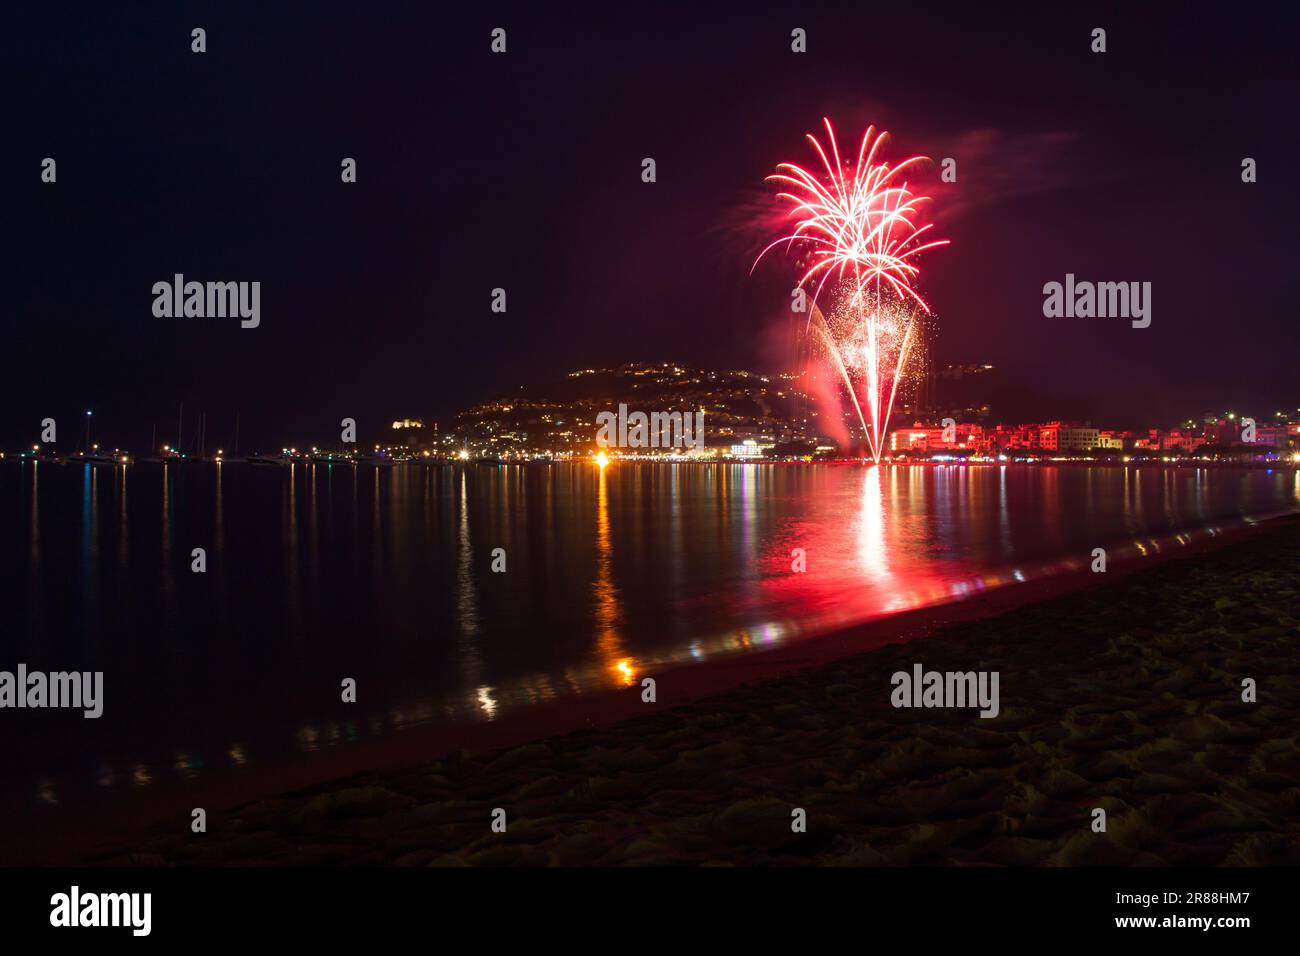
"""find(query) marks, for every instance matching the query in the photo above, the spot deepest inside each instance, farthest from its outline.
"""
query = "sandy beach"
(1125, 697)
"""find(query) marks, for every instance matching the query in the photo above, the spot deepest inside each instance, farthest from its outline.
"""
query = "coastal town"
(739, 416)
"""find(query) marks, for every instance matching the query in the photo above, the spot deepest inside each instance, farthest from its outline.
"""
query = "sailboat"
(91, 455)
(96, 457)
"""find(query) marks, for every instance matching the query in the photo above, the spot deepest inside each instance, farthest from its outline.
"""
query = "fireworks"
(859, 228)
(876, 351)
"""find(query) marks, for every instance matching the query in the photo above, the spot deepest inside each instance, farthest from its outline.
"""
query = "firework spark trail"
(860, 227)
(818, 324)
(867, 223)
(893, 388)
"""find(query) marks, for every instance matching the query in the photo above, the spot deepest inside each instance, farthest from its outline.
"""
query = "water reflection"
(471, 663)
(167, 587)
(123, 536)
(34, 507)
(608, 614)
(872, 557)
(90, 548)
(614, 574)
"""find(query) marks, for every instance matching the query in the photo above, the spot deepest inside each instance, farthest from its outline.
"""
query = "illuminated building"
(1059, 436)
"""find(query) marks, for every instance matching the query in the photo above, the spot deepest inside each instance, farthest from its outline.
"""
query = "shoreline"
(609, 712)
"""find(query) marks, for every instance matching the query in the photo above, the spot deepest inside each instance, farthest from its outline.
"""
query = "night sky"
(522, 171)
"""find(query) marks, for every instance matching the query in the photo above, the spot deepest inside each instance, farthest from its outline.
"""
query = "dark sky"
(523, 171)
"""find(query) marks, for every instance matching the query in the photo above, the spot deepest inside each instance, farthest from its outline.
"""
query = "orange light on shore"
(602, 459)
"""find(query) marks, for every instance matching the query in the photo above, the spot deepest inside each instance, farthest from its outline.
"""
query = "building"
(926, 438)
(1010, 437)
(1274, 436)
(408, 435)
(914, 439)
(1063, 436)
(747, 449)
(1179, 439)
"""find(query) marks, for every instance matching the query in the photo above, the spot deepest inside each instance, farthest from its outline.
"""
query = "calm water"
(319, 573)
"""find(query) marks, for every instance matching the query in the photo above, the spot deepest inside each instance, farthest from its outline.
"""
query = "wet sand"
(1125, 695)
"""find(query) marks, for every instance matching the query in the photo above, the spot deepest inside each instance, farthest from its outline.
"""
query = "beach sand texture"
(1125, 697)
